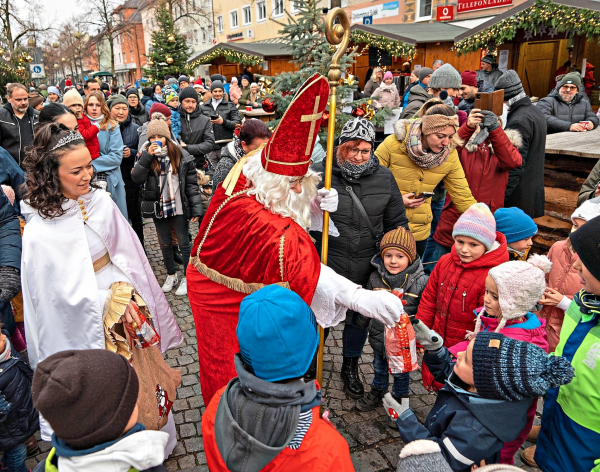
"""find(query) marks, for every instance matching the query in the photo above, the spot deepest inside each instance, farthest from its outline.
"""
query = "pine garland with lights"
(542, 14)
(169, 51)
(231, 55)
(395, 48)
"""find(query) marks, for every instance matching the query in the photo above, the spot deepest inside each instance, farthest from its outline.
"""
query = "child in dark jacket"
(172, 101)
(18, 418)
(397, 267)
(484, 401)
(519, 229)
(90, 400)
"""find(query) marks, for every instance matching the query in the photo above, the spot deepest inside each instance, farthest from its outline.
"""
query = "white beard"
(274, 193)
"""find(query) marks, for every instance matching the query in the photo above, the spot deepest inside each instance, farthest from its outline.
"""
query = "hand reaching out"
(551, 297)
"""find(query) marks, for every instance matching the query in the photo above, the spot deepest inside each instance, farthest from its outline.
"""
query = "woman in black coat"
(355, 166)
(162, 163)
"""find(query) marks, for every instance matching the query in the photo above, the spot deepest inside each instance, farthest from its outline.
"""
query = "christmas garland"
(395, 48)
(230, 54)
(542, 16)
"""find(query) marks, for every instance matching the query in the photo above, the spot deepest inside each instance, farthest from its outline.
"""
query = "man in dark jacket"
(17, 122)
(196, 129)
(525, 187)
(227, 119)
(137, 111)
(470, 88)
(10, 260)
(489, 70)
(418, 94)
(568, 106)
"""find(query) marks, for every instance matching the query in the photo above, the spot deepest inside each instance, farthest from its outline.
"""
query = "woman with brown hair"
(169, 175)
(83, 270)
(108, 166)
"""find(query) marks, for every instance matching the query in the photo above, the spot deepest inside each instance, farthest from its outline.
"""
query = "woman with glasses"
(355, 167)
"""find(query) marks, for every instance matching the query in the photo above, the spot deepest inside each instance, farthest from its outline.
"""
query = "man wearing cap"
(525, 187)
(469, 88)
(418, 94)
(277, 333)
(184, 82)
(255, 233)
(489, 70)
(196, 129)
(225, 123)
(567, 107)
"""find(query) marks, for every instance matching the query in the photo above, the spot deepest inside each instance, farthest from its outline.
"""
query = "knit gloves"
(393, 408)
(488, 124)
(10, 282)
(428, 338)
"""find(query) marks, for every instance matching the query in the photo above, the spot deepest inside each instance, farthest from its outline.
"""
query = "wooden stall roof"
(258, 49)
(413, 33)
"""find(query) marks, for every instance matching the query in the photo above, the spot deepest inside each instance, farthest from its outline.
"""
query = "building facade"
(129, 44)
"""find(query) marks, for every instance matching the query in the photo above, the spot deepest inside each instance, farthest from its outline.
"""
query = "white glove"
(392, 407)
(328, 199)
(428, 338)
(379, 305)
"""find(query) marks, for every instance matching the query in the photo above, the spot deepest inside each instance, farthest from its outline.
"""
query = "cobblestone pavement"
(373, 445)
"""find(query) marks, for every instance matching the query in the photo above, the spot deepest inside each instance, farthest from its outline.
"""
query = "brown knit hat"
(401, 239)
(435, 123)
(86, 396)
(158, 126)
(35, 99)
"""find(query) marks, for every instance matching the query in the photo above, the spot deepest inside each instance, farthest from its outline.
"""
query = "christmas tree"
(169, 51)
(305, 36)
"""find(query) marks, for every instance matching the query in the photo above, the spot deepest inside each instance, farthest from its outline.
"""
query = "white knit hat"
(588, 210)
(521, 284)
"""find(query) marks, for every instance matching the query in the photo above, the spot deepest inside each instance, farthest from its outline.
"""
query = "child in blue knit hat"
(519, 229)
(485, 398)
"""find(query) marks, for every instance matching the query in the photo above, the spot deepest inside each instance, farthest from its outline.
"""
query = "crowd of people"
(442, 210)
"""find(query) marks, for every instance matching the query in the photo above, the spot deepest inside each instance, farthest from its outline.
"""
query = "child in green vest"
(570, 436)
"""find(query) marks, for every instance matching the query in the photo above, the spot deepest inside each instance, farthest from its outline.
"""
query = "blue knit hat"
(277, 334)
(515, 224)
(506, 369)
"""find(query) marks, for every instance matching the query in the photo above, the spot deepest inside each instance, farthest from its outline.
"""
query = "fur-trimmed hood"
(401, 128)
(513, 136)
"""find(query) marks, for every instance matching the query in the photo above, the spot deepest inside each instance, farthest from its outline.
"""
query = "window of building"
(247, 15)
(424, 10)
(193, 4)
(277, 8)
(261, 11)
(233, 16)
(295, 6)
(131, 55)
(220, 24)
(120, 60)
(152, 22)
(204, 35)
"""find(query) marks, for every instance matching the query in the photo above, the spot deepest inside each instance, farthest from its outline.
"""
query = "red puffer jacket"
(453, 291)
(486, 168)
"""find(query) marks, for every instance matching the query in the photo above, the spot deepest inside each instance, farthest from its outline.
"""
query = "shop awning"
(245, 53)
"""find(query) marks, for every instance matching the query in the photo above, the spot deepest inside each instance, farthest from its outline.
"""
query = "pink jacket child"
(235, 93)
(512, 290)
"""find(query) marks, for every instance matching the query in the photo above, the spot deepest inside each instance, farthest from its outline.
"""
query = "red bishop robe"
(244, 243)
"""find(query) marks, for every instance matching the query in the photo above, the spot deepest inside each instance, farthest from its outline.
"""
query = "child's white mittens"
(428, 338)
(393, 408)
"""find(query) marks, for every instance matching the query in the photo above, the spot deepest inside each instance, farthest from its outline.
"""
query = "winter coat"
(467, 427)
(525, 187)
(10, 133)
(491, 77)
(197, 134)
(486, 168)
(147, 102)
(244, 99)
(404, 98)
(564, 278)
(189, 191)
(235, 93)
(11, 174)
(468, 105)
(588, 190)
(453, 291)
(371, 87)
(139, 115)
(90, 136)
(226, 110)
(130, 138)
(414, 284)
(560, 115)
(226, 163)
(411, 178)
(416, 98)
(351, 252)
(175, 122)
(10, 248)
(388, 96)
(22, 421)
(111, 155)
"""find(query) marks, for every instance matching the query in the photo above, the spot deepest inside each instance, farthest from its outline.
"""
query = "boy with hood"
(172, 101)
(485, 397)
(268, 416)
(90, 400)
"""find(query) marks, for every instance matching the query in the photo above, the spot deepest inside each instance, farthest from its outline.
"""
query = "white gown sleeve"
(327, 312)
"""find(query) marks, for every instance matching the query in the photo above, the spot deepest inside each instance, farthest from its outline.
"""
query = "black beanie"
(586, 242)
(147, 91)
(217, 84)
(132, 91)
(86, 396)
(188, 92)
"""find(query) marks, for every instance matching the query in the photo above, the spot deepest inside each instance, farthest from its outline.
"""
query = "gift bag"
(401, 345)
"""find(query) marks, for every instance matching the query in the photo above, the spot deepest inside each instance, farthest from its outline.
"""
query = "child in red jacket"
(456, 286)
(89, 131)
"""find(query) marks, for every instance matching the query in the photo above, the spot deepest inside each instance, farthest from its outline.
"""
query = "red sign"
(445, 13)
(470, 5)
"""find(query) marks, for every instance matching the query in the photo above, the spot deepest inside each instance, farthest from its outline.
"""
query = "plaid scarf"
(425, 160)
(166, 172)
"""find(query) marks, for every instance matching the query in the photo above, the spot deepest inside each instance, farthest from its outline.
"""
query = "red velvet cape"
(243, 243)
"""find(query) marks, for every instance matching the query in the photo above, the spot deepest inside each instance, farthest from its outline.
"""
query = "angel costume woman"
(83, 268)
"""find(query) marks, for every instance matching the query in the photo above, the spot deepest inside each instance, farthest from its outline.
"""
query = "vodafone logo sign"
(445, 13)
